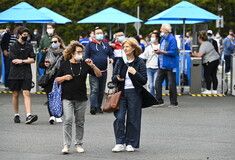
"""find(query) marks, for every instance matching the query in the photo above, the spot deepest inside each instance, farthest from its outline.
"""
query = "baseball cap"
(181, 36)
(209, 32)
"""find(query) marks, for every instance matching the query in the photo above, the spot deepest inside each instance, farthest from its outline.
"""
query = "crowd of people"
(135, 62)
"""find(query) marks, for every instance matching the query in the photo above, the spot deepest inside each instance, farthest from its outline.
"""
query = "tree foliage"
(79, 9)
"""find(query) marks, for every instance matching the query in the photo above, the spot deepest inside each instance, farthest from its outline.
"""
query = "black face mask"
(24, 38)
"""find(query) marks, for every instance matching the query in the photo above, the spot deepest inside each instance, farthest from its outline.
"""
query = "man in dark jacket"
(98, 51)
(21, 56)
(8, 39)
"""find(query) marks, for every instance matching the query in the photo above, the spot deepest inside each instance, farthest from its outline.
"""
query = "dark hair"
(119, 30)
(203, 35)
(83, 35)
(157, 34)
(137, 38)
(21, 30)
(51, 24)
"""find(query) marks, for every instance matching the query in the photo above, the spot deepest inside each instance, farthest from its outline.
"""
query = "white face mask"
(50, 31)
(78, 57)
(55, 45)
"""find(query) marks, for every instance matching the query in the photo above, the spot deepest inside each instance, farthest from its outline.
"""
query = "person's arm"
(61, 77)
(87, 51)
(145, 54)
(141, 75)
(110, 54)
(93, 66)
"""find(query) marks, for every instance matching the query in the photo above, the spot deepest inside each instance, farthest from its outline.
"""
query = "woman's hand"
(120, 79)
(68, 77)
(197, 54)
(89, 62)
(131, 70)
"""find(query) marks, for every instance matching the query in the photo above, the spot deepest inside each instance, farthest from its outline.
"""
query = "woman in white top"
(152, 60)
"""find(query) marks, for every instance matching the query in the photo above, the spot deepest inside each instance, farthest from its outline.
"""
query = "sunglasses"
(54, 42)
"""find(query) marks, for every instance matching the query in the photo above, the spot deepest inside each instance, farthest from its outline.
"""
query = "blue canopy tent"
(110, 15)
(57, 18)
(184, 12)
(23, 13)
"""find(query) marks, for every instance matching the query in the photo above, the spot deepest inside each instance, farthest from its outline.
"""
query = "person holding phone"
(152, 60)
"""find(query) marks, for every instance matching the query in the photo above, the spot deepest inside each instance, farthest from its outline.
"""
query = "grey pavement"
(202, 128)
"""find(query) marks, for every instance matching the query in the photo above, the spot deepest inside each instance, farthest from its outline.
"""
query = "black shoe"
(31, 118)
(93, 111)
(17, 119)
(99, 110)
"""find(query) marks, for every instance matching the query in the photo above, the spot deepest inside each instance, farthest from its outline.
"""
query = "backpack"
(54, 100)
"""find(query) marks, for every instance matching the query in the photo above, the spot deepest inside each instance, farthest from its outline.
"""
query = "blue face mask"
(152, 39)
(99, 37)
(210, 38)
(121, 38)
(162, 34)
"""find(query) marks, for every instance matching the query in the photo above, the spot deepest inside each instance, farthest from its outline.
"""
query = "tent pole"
(110, 31)
(43, 29)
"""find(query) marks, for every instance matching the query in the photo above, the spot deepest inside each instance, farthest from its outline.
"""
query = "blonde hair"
(68, 52)
(133, 43)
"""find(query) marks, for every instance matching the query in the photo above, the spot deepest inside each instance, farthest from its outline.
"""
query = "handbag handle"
(56, 86)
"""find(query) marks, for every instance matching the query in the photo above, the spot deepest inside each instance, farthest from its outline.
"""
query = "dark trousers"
(97, 85)
(210, 74)
(161, 75)
(227, 59)
(127, 130)
(7, 70)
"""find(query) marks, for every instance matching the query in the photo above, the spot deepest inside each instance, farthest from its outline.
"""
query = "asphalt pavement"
(202, 128)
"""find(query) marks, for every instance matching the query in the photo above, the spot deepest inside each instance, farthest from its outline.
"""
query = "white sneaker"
(214, 92)
(206, 92)
(59, 120)
(52, 120)
(79, 149)
(129, 148)
(118, 148)
(65, 150)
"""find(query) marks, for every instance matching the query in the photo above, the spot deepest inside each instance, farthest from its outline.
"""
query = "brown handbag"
(112, 102)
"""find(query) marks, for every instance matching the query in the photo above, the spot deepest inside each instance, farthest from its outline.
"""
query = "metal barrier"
(233, 75)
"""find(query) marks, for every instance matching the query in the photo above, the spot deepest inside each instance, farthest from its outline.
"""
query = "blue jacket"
(99, 53)
(170, 60)
(228, 46)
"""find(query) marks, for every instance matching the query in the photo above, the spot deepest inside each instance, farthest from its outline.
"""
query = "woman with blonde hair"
(130, 75)
(50, 62)
(72, 76)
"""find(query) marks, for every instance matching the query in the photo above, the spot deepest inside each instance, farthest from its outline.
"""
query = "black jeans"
(210, 74)
(161, 75)
(227, 59)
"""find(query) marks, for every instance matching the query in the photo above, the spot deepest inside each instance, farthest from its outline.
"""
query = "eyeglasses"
(78, 51)
(54, 42)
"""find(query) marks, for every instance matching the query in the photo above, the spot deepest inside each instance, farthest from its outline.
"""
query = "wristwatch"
(22, 61)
